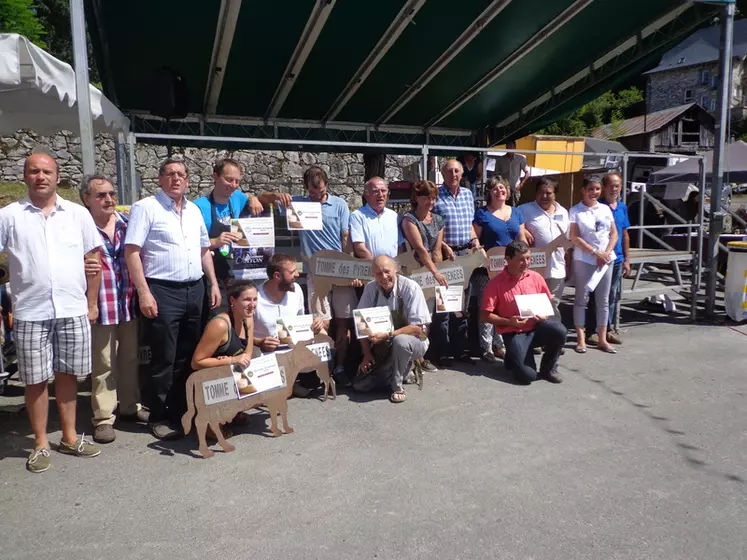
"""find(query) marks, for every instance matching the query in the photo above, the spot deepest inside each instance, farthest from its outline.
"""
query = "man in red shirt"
(522, 335)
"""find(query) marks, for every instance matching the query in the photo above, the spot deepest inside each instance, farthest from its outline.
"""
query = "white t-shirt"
(45, 257)
(545, 228)
(267, 311)
(594, 227)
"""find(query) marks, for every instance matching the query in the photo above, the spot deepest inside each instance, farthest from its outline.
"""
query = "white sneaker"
(489, 357)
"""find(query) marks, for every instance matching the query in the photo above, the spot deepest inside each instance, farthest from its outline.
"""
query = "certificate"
(304, 215)
(534, 305)
(255, 232)
(449, 299)
(372, 320)
(295, 329)
(263, 374)
(596, 277)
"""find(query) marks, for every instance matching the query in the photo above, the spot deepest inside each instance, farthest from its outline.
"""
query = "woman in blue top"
(496, 224)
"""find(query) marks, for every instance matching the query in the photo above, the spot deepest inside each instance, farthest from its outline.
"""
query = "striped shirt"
(457, 212)
(116, 304)
(170, 242)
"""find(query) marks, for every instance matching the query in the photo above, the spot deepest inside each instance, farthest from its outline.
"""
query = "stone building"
(689, 73)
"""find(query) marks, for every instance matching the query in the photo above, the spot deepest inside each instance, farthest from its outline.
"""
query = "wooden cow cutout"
(457, 271)
(540, 257)
(213, 415)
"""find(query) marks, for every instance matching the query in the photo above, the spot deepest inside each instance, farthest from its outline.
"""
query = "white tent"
(37, 92)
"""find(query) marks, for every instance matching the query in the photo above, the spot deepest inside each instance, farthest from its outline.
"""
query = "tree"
(608, 108)
(20, 16)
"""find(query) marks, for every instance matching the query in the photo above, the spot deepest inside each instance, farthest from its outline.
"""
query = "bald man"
(387, 357)
(47, 240)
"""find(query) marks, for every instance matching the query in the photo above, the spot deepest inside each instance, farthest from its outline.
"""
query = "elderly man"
(334, 236)
(611, 188)
(225, 203)
(522, 335)
(167, 252)
(457, 207)
(545, 220)
(115, 341)
(510, 167)
(388, 357)
(280, 296)
(374, 228)
(47, 240)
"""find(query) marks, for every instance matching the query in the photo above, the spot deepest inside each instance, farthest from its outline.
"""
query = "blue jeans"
(614, 301)
(519, 360)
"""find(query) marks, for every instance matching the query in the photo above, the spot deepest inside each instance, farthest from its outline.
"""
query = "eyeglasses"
(103, 195)
(378, 191)
(177, 174)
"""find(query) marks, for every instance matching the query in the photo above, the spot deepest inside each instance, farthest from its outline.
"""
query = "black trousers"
(173, 336)
(550, 335)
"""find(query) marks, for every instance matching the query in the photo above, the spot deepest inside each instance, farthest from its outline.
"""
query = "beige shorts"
(343, 301)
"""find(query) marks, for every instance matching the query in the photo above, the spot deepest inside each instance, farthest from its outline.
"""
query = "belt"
(460, 247)
(172, 284)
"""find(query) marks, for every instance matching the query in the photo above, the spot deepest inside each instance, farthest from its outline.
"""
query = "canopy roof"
(407, 71)
(735, 167)
(37, 92)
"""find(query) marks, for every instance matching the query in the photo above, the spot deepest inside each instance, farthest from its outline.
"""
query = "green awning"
(406, 71)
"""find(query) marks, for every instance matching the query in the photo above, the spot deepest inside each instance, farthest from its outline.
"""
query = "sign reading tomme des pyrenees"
(454, 275)
(498, 262)
(343, 269)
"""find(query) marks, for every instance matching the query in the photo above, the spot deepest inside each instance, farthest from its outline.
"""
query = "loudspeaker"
(167, 93)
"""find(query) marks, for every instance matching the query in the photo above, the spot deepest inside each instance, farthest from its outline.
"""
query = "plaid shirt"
(458, 212)
(116, 304)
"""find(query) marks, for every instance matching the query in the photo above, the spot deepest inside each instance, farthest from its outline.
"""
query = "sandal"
(398, 397)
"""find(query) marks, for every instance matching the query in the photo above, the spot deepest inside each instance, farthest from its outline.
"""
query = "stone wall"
(263, 170)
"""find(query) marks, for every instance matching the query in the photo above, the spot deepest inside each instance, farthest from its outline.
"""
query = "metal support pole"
(424, 153)
(82, 93)
(132, 198)
(625, 178)
(698, 271)
(641, 193)
(717, 175)
(120, 162)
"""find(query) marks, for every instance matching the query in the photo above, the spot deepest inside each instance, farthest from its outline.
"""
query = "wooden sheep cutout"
(540, 257)
(458, 271)
(276, 400)
(324, 371)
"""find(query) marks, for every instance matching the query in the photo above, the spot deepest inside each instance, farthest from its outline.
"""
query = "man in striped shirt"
(167, 252)
(457, 207)
(114, 334)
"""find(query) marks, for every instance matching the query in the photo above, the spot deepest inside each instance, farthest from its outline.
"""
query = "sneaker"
(104, 433)
(489, 357)
(81, 448)
(427, 365)
(614, 338)
(39, 460)
(300, 392)
(341, 378)
(466, 358)
(162, 430)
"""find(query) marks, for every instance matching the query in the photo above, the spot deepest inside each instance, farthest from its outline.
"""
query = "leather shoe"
(142, 416)
(104, 433)
(162, 430)
(552, 377)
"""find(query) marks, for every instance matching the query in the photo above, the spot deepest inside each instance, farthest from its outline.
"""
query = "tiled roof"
(640, 124)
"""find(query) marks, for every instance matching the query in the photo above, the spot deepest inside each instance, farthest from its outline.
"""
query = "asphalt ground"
(640, 455)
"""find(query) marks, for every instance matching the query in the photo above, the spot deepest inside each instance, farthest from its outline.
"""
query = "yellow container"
(568, 162)
(735, 291)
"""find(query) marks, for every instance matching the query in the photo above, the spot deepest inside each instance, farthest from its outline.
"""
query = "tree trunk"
(375, 165)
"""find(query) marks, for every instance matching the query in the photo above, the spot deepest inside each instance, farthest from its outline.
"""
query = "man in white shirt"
(47, 240)
(281, 296)
(510, 167)
(545, 220)
(374, 228)
(388, 357)
(167, 252)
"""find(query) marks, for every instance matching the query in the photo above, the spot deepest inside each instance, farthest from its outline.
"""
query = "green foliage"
(606, 109)
(20, 16)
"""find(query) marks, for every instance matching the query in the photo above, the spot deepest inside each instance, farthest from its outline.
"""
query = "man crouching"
(387, 358)
(522, 335)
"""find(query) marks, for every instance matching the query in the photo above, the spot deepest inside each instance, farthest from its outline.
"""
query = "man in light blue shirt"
(374, 229)
(332, 237)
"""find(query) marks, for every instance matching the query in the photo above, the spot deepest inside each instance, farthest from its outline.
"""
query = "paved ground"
(642, 455)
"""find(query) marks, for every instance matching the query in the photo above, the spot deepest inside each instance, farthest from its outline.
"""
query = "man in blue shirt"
(457, 207)
(224, 203)
(334, 236)
(374, 228)
(611, 188)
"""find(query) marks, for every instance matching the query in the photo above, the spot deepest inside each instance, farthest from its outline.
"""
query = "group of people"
(90, 285)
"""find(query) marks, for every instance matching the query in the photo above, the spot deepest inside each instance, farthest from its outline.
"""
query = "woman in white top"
(593, 235)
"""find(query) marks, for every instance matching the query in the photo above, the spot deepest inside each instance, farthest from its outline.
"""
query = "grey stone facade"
(667, 88)
(263, 170)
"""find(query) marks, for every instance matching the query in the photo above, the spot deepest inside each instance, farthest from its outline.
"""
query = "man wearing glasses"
(114, 334)
(374, 229)
(167, 251)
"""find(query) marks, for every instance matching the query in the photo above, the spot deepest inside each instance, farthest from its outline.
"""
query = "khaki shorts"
(342, 304)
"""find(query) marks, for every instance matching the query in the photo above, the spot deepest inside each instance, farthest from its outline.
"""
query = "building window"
(713, 104)
(681, 60)
(744, 100)
(714, 81)
(688, 96)
(705, 78)
(705, 102)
